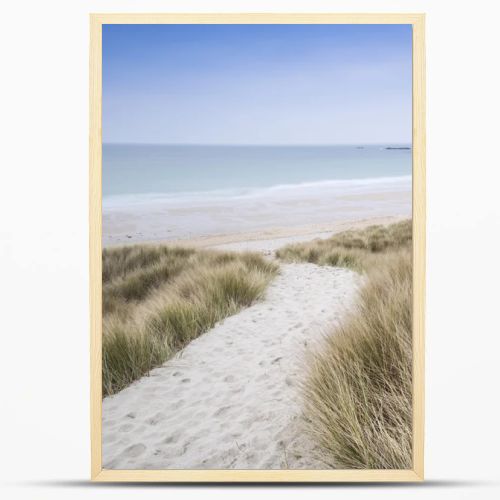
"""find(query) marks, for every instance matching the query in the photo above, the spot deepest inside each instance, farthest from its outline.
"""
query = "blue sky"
(257, 84)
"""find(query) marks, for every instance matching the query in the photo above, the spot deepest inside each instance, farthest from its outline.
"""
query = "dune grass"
(358, 389)
(358, 249)
(156, 299)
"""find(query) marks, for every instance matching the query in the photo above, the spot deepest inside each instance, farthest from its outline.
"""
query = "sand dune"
(230, 399)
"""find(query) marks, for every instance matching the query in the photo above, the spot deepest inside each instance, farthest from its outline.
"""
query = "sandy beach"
(313, 210)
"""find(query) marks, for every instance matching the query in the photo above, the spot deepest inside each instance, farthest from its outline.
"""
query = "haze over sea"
(147, 174)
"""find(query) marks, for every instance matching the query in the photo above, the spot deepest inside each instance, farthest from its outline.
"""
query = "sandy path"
(230, 399)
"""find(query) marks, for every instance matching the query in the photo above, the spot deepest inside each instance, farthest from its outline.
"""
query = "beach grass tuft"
(156, 299)
(356, 249)
(358, 389)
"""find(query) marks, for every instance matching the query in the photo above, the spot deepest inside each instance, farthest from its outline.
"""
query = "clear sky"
(257, 84)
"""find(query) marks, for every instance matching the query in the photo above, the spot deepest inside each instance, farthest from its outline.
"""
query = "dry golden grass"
(355, 249)
(157, 299)
(358, 391)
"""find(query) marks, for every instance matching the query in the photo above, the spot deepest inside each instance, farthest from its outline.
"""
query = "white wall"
(44, 451)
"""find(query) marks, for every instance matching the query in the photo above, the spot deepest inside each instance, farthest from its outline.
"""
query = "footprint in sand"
(222, 411)
(156, 419)
(135, 450)
(126, 427)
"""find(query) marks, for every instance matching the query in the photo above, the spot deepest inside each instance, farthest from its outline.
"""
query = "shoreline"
(278, 214)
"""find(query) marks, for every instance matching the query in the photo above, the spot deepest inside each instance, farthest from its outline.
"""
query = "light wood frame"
(100, 474)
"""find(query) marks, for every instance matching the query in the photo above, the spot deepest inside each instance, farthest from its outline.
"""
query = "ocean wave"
(337, 187)
(341, 183)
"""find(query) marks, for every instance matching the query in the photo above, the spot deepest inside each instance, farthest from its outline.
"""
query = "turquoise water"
(134, 171)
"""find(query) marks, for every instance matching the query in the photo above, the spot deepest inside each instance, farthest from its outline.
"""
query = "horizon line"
(277, 144)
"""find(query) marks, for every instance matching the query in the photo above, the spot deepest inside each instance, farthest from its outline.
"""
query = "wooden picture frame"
(97, 471)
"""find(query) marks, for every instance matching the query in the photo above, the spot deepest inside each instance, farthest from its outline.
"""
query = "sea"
(149, 173)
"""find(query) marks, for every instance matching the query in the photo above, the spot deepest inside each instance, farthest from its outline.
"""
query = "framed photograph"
(257, 247)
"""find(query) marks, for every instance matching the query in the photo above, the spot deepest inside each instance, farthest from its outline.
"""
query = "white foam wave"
(335, 187)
